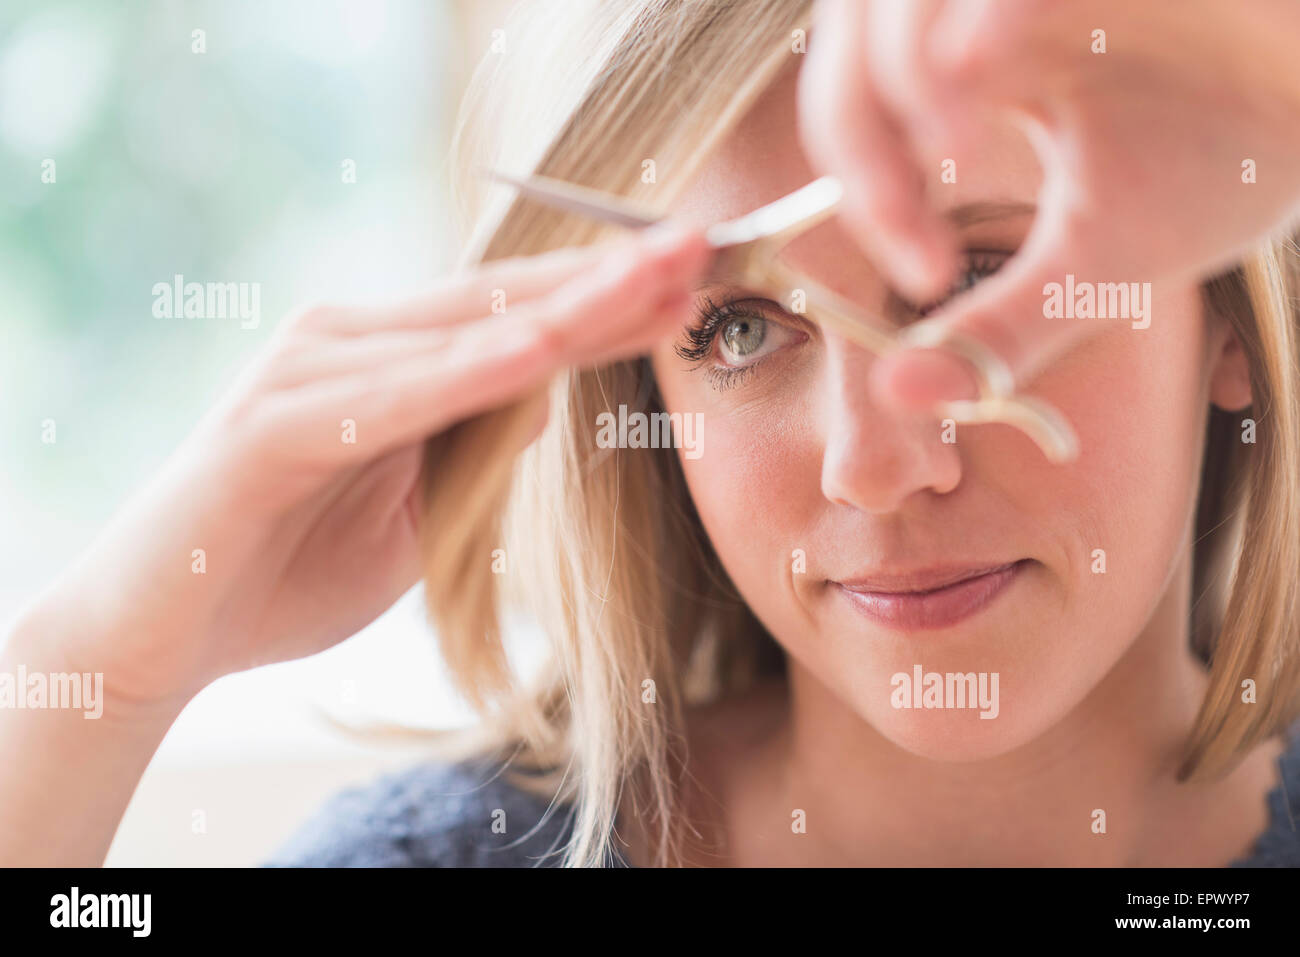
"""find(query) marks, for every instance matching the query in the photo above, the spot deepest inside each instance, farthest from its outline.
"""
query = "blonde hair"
(613, 562)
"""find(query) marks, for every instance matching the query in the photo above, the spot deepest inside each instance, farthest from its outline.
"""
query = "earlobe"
(1230, 375)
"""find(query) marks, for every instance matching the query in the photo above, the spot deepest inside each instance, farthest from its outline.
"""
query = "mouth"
(929, 599)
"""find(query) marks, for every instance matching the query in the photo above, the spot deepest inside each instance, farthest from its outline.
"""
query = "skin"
(1097, 687)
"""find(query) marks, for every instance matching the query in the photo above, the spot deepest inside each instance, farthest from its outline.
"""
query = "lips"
(931, 598)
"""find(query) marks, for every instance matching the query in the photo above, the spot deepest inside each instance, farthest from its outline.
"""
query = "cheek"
(1110, 528)
(1138, 399)
(756, 485)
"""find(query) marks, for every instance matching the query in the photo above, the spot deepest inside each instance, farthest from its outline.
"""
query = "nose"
(875, 461)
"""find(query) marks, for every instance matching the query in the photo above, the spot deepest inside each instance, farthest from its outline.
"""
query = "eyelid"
(968, 256)
(765, 350)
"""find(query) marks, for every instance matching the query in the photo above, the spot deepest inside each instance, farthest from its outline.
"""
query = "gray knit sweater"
(467, 815)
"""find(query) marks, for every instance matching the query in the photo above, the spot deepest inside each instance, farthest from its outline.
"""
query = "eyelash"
(984, 262)
(712, 317)
(697, 347)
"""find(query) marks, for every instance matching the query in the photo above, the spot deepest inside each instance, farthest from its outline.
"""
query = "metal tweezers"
(747, 254)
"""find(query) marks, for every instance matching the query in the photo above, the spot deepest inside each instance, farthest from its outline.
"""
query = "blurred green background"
(222, 166)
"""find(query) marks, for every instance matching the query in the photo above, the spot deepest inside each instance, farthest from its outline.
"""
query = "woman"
(759, 643)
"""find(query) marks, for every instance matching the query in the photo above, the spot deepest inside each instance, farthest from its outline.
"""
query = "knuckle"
(659, 271)
(545, 339)
(648, 271)
(240, 422)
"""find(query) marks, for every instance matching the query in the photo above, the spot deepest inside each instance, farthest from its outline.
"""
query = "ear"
(1230, 372)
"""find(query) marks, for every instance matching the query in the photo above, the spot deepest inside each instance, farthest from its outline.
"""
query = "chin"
(953, 737)
(956, 716)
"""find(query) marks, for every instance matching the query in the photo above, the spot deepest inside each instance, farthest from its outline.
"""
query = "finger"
(974, 41)
(491, 287)
(376, 338)
(473, 378)
(486, 372)
(897, 58)
(849, 133)
(934, 117)
(598, 316)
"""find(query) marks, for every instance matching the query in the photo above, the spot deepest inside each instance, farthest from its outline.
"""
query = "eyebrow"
(971, 214)
(967, 214)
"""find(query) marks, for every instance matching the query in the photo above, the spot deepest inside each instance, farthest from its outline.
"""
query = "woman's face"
(831, 516)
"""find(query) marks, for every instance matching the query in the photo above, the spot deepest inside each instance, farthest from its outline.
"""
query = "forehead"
(762, 160)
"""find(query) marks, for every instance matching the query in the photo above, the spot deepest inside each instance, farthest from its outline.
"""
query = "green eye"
(731, 339)
(744, 336)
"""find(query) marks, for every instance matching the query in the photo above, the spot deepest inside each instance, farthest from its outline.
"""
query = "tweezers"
(747, 253)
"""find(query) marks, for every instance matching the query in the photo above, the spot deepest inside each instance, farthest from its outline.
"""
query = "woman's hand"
(1168, 155)
(288, 520)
